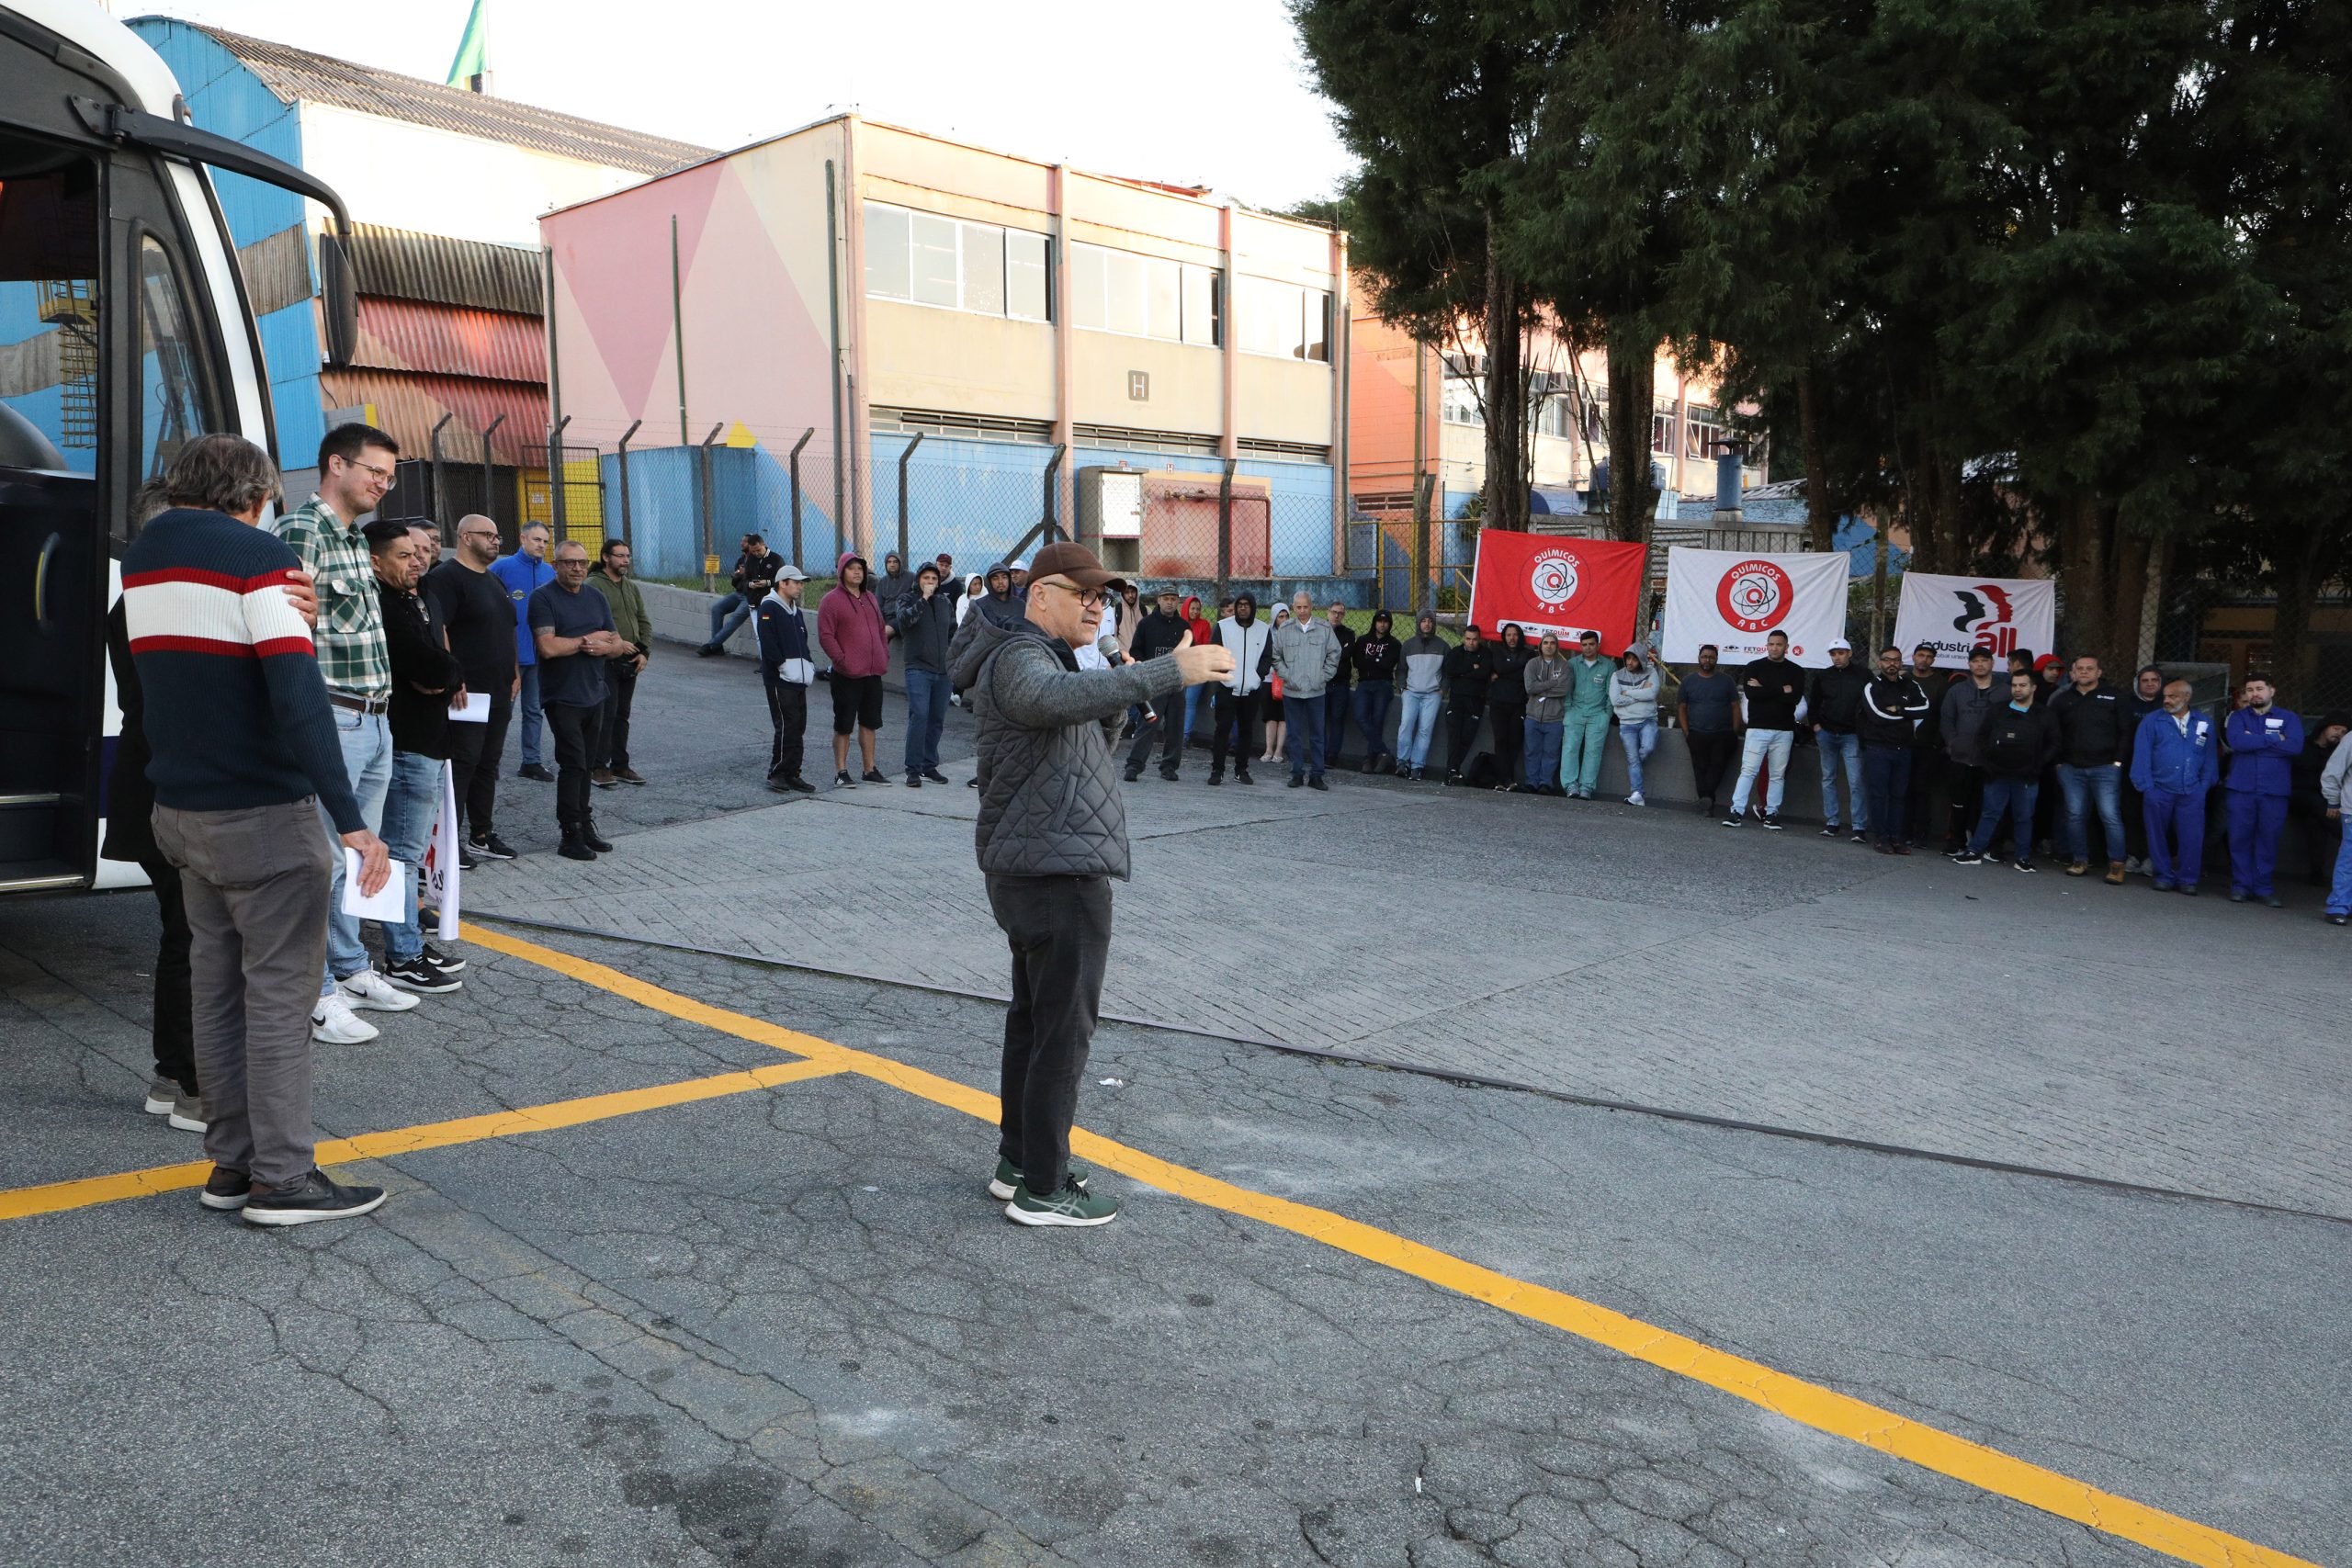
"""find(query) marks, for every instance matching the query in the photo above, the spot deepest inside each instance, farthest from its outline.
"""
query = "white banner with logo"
(437, 878)
(1736, 600)
(1957, 613)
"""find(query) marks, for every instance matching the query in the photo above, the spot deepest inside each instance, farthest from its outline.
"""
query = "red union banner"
(1567, 587)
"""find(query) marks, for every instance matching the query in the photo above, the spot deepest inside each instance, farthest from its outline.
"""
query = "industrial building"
(958, 339)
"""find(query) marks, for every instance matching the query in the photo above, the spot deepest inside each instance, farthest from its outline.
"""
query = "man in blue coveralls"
(2262, 740)
(2176, 757)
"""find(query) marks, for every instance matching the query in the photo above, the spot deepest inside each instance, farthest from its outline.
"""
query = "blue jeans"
(1373, 698)
(1842, 751)
(2339, 898)
(926, 716)
(411, 803)
(1191, 710)
(1335, 721)
(1886, 782)
(1757, 748)
(1303, 742)
(2104, 786)
(367, 742)
(727, 616)
(1543, 751)
(2014, 796)
(530, 707)
(1640, 739)
(1415, 722)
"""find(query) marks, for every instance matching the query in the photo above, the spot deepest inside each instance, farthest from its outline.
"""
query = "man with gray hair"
(572, 630)
(1306, 656)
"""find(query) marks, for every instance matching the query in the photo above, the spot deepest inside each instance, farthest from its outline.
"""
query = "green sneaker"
(1073, 1205)
(1008, 1176)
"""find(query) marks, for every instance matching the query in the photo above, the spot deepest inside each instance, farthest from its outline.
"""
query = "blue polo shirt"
(522, 577)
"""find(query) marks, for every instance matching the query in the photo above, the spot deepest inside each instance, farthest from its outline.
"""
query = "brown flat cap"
(1068, 557)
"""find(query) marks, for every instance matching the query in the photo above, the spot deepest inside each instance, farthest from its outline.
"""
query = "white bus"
(125, 331)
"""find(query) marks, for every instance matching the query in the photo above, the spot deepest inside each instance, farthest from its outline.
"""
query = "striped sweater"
(236, 713)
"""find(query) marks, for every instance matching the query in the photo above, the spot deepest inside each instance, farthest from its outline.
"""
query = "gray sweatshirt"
(1423, 658)
(1306, 655)
(1547, 689)
(1634, 700)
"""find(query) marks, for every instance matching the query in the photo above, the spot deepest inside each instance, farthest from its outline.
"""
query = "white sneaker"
(369, 989)
(333, 1023)
(1636, 800)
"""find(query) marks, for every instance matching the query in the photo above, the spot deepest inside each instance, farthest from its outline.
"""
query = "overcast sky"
(1211, 92)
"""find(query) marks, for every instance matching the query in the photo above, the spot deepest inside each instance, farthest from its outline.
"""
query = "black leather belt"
(359, 705)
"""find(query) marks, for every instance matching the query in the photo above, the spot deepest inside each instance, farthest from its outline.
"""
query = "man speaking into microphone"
(1052, 833)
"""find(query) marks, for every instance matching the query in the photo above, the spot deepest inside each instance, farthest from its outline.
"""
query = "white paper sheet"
(476, 711)
(391, 902)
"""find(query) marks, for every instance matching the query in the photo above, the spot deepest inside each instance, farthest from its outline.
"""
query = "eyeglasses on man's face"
(383, 476)
(1088, 598)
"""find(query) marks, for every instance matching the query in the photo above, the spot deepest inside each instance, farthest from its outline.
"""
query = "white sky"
(1208, 92)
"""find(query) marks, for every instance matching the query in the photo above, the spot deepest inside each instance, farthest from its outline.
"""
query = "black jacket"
(1771, 691)
(1345, 674)
(1374, 658)
(1509, 690)
(130, 795)
(1929, 735)
(1158, 633)
(1834, 701)
(1468, 672)
(926, 627)
(1891, 711)
(2094, 732)
(2019, 745)
(424, 674)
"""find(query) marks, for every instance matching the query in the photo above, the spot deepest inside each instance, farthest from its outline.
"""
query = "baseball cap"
(1931, 648)
(1838, 642)
(1068, 557)
(791, 574)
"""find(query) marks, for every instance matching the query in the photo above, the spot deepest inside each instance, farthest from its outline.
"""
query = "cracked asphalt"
(786, 1327)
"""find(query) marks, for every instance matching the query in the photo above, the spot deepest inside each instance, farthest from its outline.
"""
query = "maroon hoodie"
(849, 625)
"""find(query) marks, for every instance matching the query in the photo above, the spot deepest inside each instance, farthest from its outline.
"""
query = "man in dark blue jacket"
(1161, 633)
(2176, 757)
(2263, 740)
(924, 618)
(787, 668)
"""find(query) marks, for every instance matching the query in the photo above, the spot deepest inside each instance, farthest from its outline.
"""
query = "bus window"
(172, 409)
(48, 307)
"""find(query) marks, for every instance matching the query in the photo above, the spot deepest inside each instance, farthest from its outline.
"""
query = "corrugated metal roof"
(408, 406)
(449, 340)
(398, 264)
(298, 76)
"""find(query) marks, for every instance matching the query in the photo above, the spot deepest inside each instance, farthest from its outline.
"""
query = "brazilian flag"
(473, 49)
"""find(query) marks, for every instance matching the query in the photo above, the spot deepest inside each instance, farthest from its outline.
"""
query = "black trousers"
(1461, 716)
(1919, 796)
(1711, 751)
(474, 752)
(1966, 785)
(1511, 742)
(1232, 710)
(789, 717)
(1059, 929)
(578, 732)
(175, 1028)
(620, 689)
(1168, 730)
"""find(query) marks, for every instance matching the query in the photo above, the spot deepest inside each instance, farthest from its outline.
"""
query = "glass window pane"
(1200, 305)
(171, 390)
(1164, 284)
(1089, 296)
(934, 260)
(984, 269)
(1318, 344)
(885, 252)
(1024, 276)
(1128, 312)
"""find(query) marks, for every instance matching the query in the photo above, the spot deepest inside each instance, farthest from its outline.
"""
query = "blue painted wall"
(750, 493)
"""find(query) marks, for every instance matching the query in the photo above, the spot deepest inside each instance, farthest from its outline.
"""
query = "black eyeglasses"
(1088, 598)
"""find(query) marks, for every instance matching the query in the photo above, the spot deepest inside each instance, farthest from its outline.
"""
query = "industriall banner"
(1957, 613)
(1567, 587)
(1736, 600)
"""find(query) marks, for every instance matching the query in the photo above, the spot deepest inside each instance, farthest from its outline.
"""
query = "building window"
(1457, 401)
(930, 260)
(1550, 393)
(1706, 429)
(1662, 430)
(1283, 320)
(1119, 291)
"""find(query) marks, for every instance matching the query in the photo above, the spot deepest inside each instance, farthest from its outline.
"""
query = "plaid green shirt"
(353, 654)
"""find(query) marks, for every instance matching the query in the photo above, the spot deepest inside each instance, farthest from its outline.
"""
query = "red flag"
(1564, 586)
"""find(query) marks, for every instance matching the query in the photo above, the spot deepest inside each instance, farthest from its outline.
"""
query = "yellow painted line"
(1809, 1404)
(59, 1196)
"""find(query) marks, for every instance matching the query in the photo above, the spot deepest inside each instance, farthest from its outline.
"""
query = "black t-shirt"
(1771, 691)
(575, 679)
(473, 607)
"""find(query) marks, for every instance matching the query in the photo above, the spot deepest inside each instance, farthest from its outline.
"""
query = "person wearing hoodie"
(2306, 801)
(894, 583)
(1373, 660)
(2336, 797)
(2146, 696)
(1422, 657)
(787, 669)
(1277, 725)
(1834, 704)
(1968, 703)
(1305, 655)
(1585, 729)
(1469, 671)
(1204, 632)
(1051, 835)
(849, 628)
(2176, 762)
(1241, 694)
(1632, 697)
(1158, 634)
(1337, 697)
(2020, 741)
(925, 625)
(1545, 681)
(998, 600)
(2264, 739)
(1507, 705)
